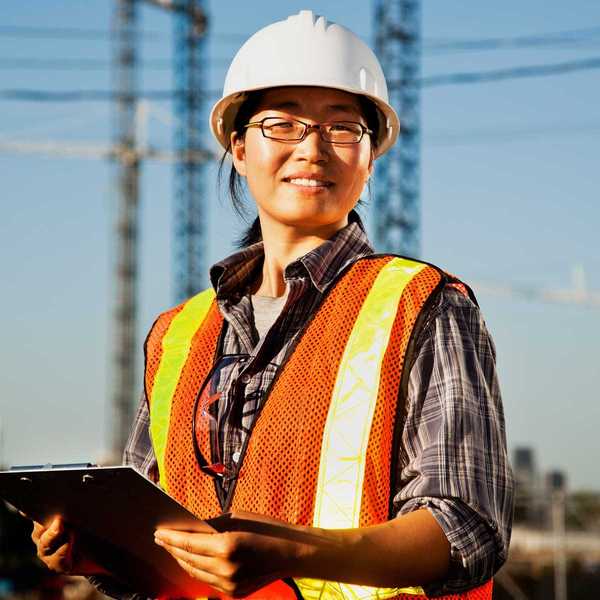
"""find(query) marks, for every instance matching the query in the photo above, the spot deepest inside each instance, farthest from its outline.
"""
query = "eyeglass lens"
(206, 414)
(340, 132)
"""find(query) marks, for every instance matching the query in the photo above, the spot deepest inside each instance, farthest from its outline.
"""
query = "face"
(277, 172)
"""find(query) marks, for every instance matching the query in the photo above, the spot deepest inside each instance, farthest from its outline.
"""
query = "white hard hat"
(305, 50)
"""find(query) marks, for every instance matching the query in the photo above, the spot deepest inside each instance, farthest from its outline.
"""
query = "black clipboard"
(115, 510)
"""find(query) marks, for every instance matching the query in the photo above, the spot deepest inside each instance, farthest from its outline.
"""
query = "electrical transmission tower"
(397, 210)
(191, 172)
(128, 165)
(190, 216)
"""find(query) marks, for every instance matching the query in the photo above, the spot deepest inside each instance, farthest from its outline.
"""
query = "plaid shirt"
(455, 460)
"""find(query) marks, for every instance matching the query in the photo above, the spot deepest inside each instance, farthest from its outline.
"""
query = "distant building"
(556, 481)
(527, 507)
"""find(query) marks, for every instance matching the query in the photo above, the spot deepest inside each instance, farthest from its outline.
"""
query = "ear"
(238, 153)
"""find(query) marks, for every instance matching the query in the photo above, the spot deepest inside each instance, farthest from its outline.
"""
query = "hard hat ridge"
(305, 50)
(306, 16)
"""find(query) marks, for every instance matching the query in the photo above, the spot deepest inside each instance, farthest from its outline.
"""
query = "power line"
(85, 64)
(69, 33)
(510, 73)
(69, 64)
(485, 136)
(92, 64)
(558, 38)
(433, 45)
(432, 81)
(79, 95)
(75, 33)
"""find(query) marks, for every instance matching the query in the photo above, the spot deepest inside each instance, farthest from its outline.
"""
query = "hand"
(58, 548)
(255, 550)
(236, 563)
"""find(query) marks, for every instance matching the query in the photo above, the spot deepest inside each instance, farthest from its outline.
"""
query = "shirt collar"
(232, 276)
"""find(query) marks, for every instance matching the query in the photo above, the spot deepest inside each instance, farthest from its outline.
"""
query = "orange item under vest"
(281, 462)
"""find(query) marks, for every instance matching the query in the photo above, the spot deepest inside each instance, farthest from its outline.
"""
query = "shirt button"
(246, 379)
(235, 456)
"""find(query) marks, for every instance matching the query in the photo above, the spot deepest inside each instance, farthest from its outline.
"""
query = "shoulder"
(449, 294)
(189, 310)
(199, 302)
(454, 320)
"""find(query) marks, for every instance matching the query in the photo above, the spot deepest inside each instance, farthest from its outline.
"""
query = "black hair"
(235, 187)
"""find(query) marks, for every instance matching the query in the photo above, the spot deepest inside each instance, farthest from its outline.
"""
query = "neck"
(282, 246)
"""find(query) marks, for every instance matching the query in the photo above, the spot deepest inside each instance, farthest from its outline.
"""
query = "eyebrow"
(291, 104)
(343, 107)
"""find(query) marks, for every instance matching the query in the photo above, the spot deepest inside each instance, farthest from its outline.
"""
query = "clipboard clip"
(50, 466)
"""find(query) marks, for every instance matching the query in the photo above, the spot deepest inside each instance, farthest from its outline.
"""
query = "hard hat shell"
(305, 50)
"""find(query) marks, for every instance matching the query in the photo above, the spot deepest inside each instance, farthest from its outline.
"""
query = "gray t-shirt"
(266, 310)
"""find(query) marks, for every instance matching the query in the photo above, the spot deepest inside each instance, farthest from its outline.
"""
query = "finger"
(204, 544)
(57, 522)
(221, 574)
(38, 529)
(53, 538)
(199, 567)
(61, 560)
(208, 564)
(206, 577)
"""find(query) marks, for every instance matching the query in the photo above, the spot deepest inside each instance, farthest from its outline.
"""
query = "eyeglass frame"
(307, 127)
(211, 468)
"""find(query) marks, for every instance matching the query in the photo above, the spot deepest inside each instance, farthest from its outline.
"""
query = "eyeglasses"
(205, 416)
(284, 129)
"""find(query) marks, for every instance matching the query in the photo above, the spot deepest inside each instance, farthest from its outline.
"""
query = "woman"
(347, 397)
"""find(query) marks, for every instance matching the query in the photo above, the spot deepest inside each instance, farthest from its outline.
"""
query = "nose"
(312, 147)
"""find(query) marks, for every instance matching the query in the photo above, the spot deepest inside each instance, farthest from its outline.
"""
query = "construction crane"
(578, 294)
(396, 212)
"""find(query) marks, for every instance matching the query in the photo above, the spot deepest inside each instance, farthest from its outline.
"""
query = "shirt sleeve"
(455, 462)
(139, 452)
(140, 455)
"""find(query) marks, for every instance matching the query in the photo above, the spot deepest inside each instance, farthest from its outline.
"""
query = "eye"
(279, 124)
(344, 127)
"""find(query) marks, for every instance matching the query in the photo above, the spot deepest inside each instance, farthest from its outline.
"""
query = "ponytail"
(252, 235)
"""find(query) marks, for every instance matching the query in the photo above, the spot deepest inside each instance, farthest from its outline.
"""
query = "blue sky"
(510, 179)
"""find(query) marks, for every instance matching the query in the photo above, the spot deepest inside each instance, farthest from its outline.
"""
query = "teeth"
(307, 182)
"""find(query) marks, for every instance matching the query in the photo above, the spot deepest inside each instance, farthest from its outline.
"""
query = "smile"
(303, 181)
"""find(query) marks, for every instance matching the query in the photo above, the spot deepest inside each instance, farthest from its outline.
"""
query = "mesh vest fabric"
(281, 462)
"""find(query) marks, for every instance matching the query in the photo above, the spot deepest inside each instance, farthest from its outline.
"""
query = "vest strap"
(176, 346)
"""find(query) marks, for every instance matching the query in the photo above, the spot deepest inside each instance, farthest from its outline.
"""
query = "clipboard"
(115, 511)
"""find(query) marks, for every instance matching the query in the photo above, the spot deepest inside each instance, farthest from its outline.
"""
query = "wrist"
(324, 553)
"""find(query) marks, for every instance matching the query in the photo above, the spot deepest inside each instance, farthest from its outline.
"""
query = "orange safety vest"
(322, 449)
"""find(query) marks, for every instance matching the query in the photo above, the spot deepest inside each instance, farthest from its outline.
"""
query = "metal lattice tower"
(189, 214)
(397, 212)
(127, 175)
(190, 176)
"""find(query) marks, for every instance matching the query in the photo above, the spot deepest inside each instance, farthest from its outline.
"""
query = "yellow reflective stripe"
(348, 425)
(316, 589)
(175, 349)
(346, 434)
